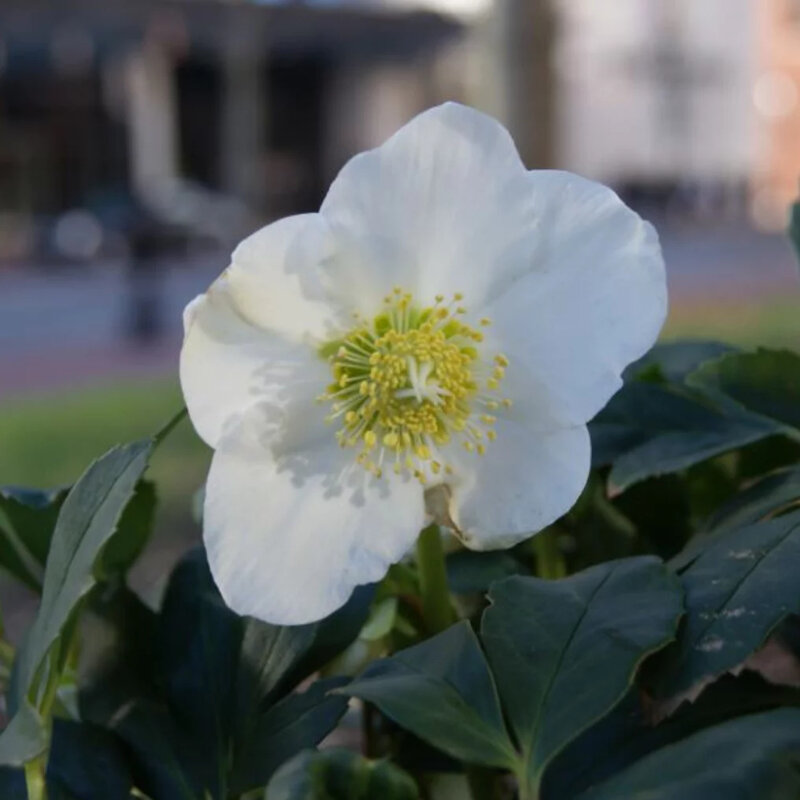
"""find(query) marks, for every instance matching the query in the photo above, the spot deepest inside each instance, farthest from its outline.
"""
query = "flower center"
(410, 381)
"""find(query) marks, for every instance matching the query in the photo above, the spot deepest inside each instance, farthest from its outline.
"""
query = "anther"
(409, 377)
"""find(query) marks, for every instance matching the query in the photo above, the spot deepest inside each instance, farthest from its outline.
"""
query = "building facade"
(198, 108)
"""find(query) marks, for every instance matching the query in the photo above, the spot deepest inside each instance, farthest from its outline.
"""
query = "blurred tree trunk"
(244, 119)
(527, 31)
(152, 118)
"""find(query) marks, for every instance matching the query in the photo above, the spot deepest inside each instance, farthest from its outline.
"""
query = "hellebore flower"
(448, 320)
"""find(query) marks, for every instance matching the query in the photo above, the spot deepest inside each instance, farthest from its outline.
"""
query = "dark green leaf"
(295, 723)
(27, 520)
(788, 635)
(223, 673)
(87, 763)
(209, 680)
(275, 659)
(751, 758)
(628, 733)
(600, 751)
(710, 484)
(269, 654)
(332, 635)
(132, 534)
(648, 430)
(766, 382)
(199, 641)
(12, 784)
(24, 738)
(675, 360)
(87, 520)
(442, 691)
(163, 762)
(565, 652)
(340, 775)
(121, 691)
(768, 455)
(118, 654)
(771, 495)
(739, 586)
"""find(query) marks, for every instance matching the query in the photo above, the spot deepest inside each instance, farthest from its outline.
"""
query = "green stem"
(437, 611)
(167, 428)
(527, 786)
(367, 730)
(549, 558)
(791, 432)
(50, 692)
(34, 779)
(36, 769)
(6, 652)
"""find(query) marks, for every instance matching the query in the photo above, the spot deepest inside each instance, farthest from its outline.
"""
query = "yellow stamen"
(409, 381)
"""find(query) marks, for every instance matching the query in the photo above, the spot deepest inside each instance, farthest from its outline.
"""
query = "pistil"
(411, 381)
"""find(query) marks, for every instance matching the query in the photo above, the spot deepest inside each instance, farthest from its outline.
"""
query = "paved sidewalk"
(66, 329)
(728, 264)
(65, 367)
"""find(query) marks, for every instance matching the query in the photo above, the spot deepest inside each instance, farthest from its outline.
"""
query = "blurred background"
(140, 139)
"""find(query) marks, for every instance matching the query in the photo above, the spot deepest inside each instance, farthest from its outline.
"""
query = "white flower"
(449, 319)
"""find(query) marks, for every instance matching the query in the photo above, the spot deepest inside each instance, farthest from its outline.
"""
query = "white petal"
(290, 537)
(229, 365)
(594, 300)
(443, 206)
(526, 480)
(273, 276)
